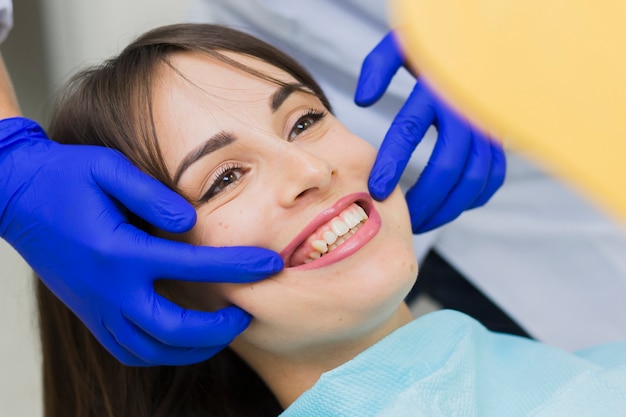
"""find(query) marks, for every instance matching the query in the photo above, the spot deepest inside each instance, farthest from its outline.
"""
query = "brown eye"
(305, 122)
(224, 179)
(227, 179)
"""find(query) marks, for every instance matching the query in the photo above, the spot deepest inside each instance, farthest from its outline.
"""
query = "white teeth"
(320, 245)
(351, 219)
(342, 228)
(339, 227)
(329, 237)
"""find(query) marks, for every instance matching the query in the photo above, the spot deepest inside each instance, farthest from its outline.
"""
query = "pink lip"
(369, 229)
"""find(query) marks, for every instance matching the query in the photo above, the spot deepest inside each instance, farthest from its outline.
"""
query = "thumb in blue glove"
(61, 209)
(465, 168)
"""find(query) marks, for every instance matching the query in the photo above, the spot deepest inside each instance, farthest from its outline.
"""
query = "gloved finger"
(111, 344)
(173, 325)
(443, 171)
(406, 132)
(497, 174)
(378, 68)
(468, 189)
(133, 347)
(182, 261)
(140, 193)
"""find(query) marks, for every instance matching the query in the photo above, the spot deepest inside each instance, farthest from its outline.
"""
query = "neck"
(288, 376)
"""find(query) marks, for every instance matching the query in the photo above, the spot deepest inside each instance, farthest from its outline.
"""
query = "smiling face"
(267, 165)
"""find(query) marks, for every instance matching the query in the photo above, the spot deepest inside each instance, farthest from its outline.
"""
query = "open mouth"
(330, 236)
(336, 233)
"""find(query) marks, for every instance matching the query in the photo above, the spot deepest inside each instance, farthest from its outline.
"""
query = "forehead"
(194, 91)
(196, 95)
(222, 78)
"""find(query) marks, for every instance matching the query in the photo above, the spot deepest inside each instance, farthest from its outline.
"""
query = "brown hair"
(111, 105)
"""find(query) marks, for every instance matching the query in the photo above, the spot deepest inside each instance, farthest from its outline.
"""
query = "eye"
(308, 119)
(223, 179)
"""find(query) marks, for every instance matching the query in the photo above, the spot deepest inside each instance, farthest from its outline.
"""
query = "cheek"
(354, 153)
(342, 146)
(229, 225)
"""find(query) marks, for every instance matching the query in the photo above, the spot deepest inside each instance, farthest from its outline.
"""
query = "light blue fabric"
(447, 364)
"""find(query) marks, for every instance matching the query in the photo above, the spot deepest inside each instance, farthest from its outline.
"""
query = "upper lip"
(363, 199)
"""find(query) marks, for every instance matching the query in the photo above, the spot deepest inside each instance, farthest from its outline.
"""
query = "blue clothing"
(448, 364)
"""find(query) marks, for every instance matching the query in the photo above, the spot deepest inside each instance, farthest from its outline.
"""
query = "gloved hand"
(465, 168)
(62, 209)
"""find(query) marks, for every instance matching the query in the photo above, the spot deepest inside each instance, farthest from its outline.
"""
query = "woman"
(247, 136)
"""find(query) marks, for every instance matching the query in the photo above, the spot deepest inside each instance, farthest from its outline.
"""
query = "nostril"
(311, 175)
(303, 193)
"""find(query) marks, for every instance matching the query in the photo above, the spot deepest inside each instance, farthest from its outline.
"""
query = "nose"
(303, 173)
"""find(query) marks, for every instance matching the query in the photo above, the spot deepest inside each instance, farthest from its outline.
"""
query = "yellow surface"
(548, 76)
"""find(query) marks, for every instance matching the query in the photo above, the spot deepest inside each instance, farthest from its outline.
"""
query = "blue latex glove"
(62, 209)
(465, 168)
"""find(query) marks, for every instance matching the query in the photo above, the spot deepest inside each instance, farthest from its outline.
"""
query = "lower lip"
(365, 233)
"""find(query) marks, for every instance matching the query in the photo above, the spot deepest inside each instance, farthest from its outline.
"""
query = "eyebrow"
(222, 139)
(215, 142)
(283, 92)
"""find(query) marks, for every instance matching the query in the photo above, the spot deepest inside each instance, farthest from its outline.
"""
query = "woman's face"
(268, 166)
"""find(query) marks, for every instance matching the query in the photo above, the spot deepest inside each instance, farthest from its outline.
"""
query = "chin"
(378, 284)
(391, 281)
(329, 307)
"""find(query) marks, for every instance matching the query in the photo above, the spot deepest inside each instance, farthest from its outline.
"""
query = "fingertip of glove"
(379, 184)
(180, 222)
(378, 191)
(260, 264)
(175, 215)
(274, 264)
(238, 319)
(364, 96)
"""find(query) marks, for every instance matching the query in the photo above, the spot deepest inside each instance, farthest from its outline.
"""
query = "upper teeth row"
(339, 227)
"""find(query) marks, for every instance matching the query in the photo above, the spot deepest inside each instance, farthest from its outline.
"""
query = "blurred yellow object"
(547, 76)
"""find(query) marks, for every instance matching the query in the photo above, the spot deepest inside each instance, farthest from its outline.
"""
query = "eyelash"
(218, 177)
(311, 114)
